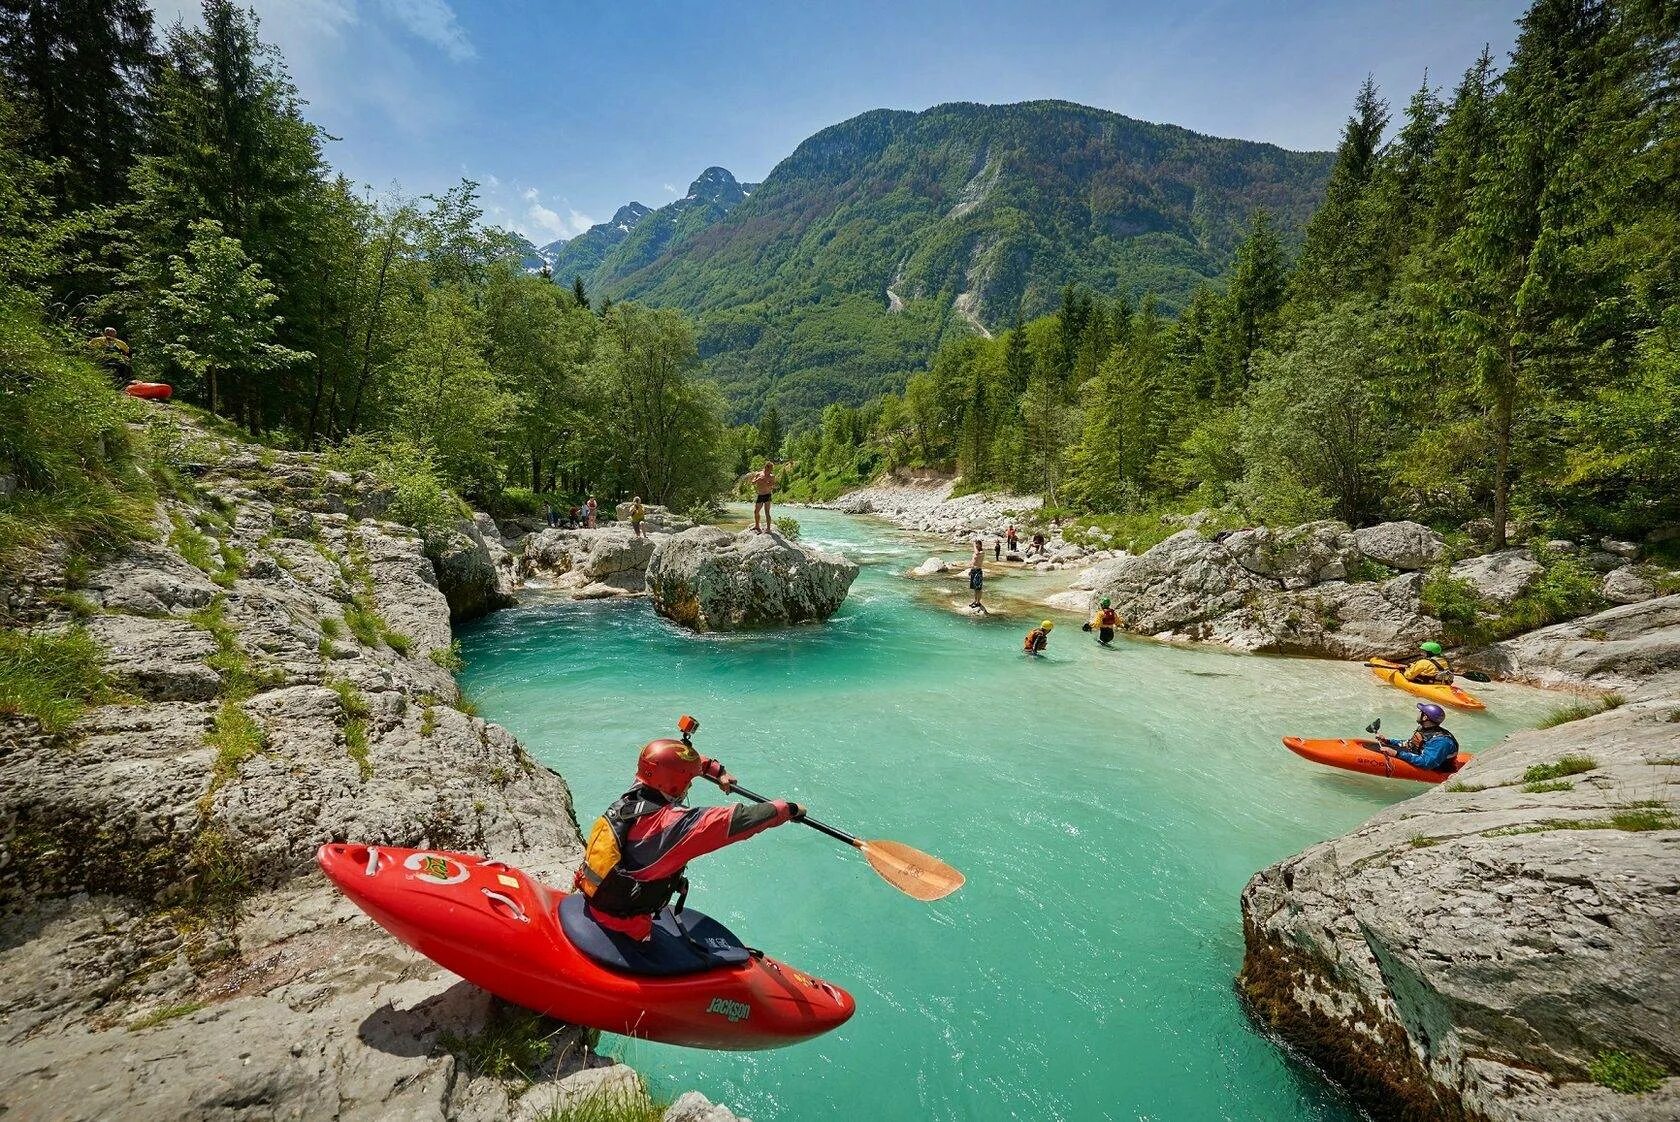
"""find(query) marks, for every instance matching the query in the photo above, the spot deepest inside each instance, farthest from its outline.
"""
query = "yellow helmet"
(1048, 625)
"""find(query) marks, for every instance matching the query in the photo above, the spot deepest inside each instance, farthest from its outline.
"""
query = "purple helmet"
(1431, 712)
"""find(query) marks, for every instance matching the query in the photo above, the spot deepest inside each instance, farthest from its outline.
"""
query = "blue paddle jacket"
(1431, 749)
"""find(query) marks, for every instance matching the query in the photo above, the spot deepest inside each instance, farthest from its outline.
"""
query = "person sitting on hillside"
(634, 861)
(1037, 639)
(1431, 747)
(1432, 669)
(1038, 546)
(1105, 621)
(114, 355)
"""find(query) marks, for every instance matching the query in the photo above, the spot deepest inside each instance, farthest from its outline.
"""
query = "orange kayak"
(1443, 695)
(1358, 755)
(154, 391)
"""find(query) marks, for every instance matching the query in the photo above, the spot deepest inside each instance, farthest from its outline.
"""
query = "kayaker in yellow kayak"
(1432, 669)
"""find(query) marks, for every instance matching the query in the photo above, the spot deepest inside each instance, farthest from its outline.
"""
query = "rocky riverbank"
(277, 676)
(1505, 946)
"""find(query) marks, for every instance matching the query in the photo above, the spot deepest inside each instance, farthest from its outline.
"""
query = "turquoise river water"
(1107, 807)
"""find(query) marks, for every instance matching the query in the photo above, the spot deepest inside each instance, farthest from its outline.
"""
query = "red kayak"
(1358, 755)
(693, 984)
(155, 391)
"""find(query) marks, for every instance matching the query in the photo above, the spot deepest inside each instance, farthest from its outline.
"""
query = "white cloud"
(543, 223)
(670, 188)
(433, 21)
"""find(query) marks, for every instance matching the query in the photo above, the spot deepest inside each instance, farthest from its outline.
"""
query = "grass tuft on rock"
(52, 678)
(513, 1045)
(356, 712)
(167, 1013)
(449, 658)
(1625, 1074)
(1547, 786)
(617, 1104)
(236, 737)
(1568, 765)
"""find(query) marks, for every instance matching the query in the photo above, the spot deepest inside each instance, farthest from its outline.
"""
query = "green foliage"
(612, 1105)
(513, 1044)
(240, 678)
(448, 657)
(63, 440)
(1547, 787)
(52, 678)
(1625, 1074)
(1568, 765)
(234, 737)
(789, 527)
(421, 497)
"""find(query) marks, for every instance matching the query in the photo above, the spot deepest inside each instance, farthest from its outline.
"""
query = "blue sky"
(565, 110)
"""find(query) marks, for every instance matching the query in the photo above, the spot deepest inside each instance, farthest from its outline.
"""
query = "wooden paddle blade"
(911, 871)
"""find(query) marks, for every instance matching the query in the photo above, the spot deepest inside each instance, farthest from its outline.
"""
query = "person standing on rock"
(550, 515)
(997, 550)
(637, 513)
(977, 575)
(1431, 747)
(634, 861)
(764, 483)
(1012, 540)
(590, 510)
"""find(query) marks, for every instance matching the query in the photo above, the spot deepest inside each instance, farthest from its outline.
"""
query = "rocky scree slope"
(1505, 946)
(278, 662)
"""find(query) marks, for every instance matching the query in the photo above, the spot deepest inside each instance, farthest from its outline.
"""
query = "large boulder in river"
(617, 552)
(711, 580)
(1400, 545)
(1626, 647)
(1297, 557)
(1183, 580)
(474, 570)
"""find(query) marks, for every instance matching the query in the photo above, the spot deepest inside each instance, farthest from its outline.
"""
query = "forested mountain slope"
(881, 234)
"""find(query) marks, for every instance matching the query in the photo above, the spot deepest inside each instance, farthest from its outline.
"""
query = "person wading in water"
(765, 483)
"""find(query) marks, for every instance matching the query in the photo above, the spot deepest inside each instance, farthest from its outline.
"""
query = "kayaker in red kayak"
(1431, 747)
(637, 851)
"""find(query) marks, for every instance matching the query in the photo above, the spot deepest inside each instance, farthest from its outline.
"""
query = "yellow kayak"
(1443, 695)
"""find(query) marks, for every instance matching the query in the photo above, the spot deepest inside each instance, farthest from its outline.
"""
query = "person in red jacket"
(633, 865)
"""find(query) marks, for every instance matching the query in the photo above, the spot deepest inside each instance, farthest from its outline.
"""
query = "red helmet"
(668, 766)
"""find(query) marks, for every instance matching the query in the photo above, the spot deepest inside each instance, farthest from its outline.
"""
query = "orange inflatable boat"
(1361, 756)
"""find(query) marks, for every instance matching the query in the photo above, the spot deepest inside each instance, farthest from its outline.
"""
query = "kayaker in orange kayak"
(1432, 669)
(1431, 747)
(634, 861)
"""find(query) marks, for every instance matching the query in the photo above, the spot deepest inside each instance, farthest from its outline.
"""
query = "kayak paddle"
(912, 872)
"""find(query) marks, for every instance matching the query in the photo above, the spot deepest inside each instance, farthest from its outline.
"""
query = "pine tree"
(1334, 257)
(1259, 281)
(768, 441)
(579, 296)
(1017, 359)
(1517, 289)
(84, 69)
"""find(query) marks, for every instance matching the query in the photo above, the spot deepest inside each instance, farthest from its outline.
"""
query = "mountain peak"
(716, 184)
(629, 214)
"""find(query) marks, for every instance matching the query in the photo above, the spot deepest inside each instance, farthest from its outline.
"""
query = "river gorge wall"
(277, 664)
